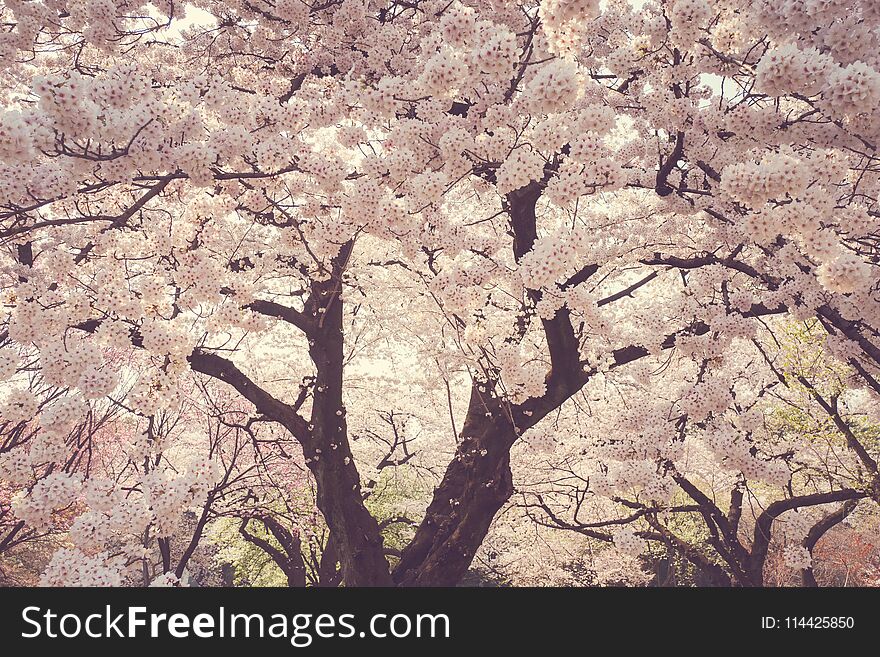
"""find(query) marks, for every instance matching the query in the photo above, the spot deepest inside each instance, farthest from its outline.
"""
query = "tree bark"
(324, 439)
(356, 533)
(478, 481)
(329, 575)
(475, 486)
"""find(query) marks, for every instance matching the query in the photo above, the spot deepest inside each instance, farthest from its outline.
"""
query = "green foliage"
(803, 356)
(809, 370)
(390, 501)
(253, 567)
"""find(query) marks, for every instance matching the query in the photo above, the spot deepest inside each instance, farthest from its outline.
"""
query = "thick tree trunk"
(329, 575)
(324, 440)
(478, 481)
(476, 485)
(358, 540)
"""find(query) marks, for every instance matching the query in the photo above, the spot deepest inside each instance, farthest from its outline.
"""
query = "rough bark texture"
(356, 533)
(476, 485)
(324, 440)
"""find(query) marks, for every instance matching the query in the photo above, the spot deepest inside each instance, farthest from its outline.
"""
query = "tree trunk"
(478, 481)
(476, 485)
(329, 575)
(358, 540)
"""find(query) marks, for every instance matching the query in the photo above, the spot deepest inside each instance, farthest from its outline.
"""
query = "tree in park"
(600, 269)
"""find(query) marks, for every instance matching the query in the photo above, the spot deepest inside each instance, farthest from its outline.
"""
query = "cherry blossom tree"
(515, 224)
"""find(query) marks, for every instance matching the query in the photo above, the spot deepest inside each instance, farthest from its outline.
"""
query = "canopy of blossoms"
(605, 270)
